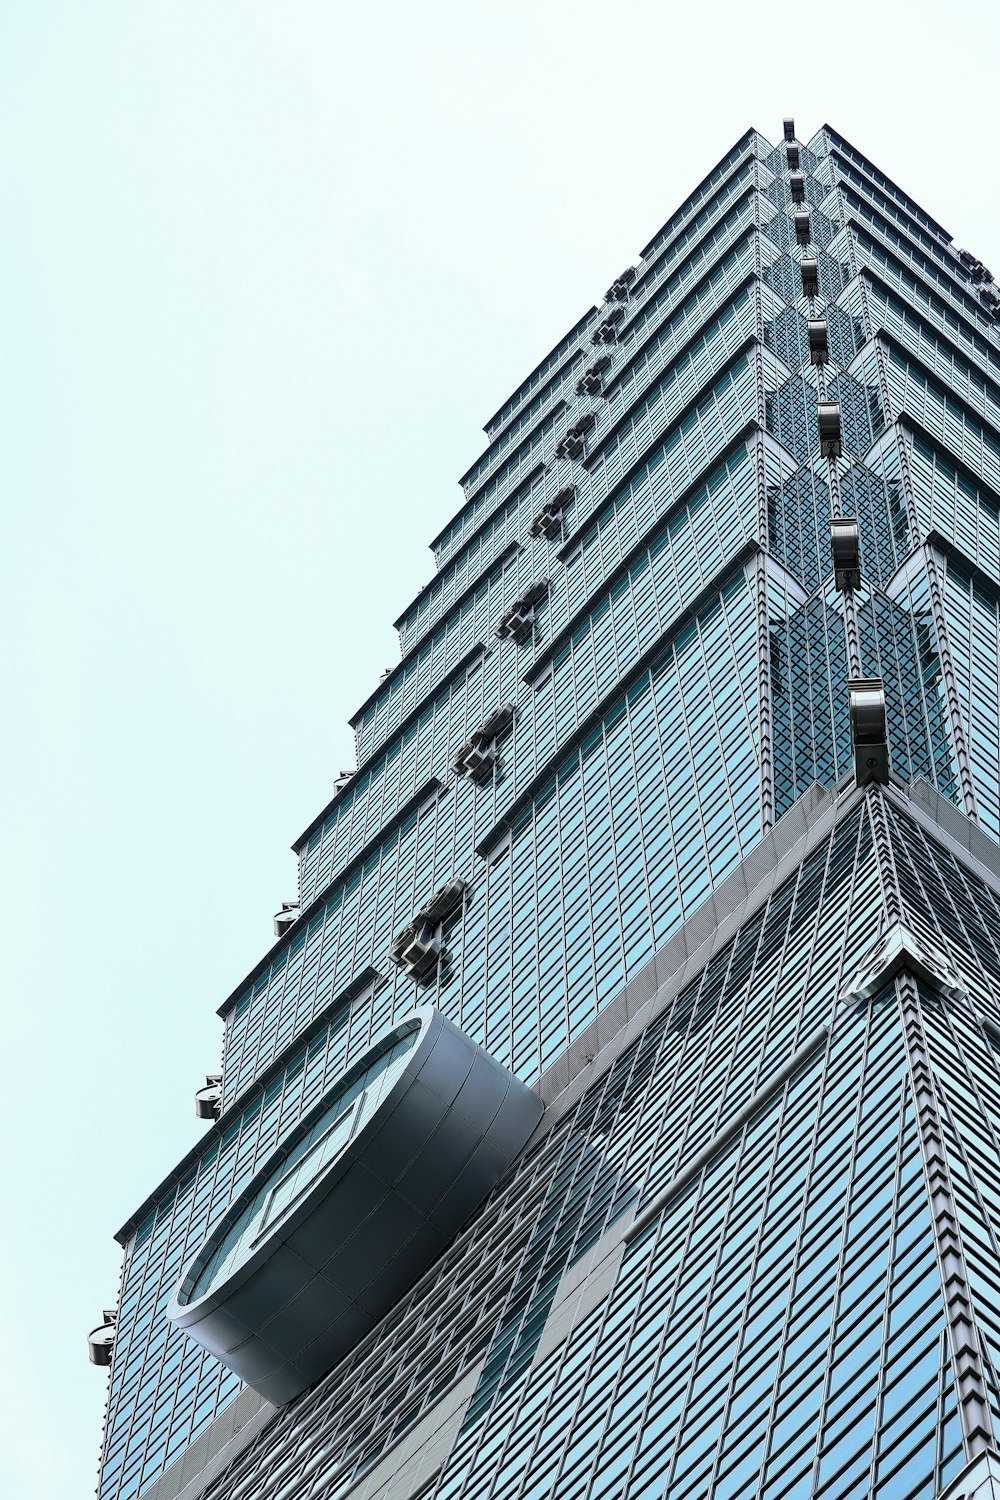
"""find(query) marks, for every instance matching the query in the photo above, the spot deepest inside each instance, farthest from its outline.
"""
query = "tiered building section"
(682, 805)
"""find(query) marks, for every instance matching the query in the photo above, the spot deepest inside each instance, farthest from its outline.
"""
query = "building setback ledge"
(432, 787)
(320, 1021)
(228, 1434)
(917, 430)
(542, 420)
(989, 353)
(808, 821)
(564, 342)
(667, 232)
(621, 569)
(912, 207)
(496, 566)
(463, 665)
(517, 493)
(625, 419)
(979, 1480)
(638, 349)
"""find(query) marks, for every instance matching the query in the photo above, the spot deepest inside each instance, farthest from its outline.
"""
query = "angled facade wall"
(751, 1247)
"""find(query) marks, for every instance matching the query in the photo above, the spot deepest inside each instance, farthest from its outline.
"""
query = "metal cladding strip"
(971, 1386)
(885, 396)
(979, 1480)
(765, 703)
(676, 422)
(848, 601)
(729, 1131)
(888, 875)
(852, 639)
(766, 716)
(956, 721)
(848, 605)
(991, 1028)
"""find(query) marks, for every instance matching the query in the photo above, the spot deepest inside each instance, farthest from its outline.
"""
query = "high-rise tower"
(679, 816)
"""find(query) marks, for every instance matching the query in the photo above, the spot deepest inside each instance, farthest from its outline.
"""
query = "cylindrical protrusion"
(100, 1340)
(819, 342)
(846, 547)
(868, 728)
(208, 1102)
(828, 421)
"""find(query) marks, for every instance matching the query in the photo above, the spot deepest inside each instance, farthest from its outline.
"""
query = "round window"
(289, 1179)
(359, 1200)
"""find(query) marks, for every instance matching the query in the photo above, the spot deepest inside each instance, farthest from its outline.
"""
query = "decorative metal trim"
(971, 1387)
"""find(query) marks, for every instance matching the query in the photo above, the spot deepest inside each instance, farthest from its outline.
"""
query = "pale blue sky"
(267, 266)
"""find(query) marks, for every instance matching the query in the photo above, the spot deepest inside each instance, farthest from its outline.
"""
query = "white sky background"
(266, 266)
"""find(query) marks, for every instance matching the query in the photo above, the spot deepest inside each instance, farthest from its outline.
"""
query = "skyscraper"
(678, 817)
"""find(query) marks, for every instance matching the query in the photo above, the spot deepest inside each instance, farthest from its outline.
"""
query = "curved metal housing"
(845, 544)
(101, 1340)
(828, 421)
(299, 1292)
(810, 277)
(802, 226)
(868, 729)
(819, 343)
(208, 1101)
(284, 918)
